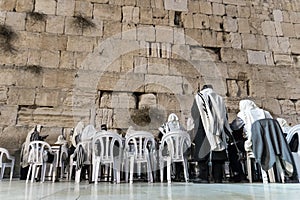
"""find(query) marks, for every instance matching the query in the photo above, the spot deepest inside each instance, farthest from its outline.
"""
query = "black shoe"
(199, 180)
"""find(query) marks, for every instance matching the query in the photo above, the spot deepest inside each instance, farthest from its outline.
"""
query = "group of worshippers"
(216, 140)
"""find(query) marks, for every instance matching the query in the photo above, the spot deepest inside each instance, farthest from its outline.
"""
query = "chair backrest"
(37, 151)
(293, 138)
(3, 153)
(139, 143)
(177, 143)
(107, 145)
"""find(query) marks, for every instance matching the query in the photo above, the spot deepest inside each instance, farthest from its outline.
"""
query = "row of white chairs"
(124, 154)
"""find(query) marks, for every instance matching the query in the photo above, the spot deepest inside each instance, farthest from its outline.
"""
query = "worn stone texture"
(143, 54)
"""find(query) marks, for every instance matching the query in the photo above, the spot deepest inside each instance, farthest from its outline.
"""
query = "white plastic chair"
(38, 152)
(104, 150)
(139, 146)
(172, 148)
(292, 136)
(10, 162)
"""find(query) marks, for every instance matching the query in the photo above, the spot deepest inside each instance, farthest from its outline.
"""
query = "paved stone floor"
(17, 189)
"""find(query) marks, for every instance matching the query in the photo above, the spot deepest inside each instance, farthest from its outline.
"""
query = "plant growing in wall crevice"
(82, 23)
(7, 35)
(36, 16)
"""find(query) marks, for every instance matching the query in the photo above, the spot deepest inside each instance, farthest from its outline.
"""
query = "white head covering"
(25, 149)
(249, 113)
(88, 132)
(77, 131)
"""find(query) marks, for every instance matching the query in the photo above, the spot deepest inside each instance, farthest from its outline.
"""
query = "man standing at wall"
(210, 123)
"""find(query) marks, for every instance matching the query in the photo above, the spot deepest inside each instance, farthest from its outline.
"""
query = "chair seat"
(10, 162)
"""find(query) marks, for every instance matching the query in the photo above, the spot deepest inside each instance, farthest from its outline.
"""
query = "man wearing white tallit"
(249, 113)
(210, 125)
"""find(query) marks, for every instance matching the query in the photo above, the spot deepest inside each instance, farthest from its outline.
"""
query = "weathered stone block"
(71, 28)
(146, 33)
(96, 31)
(230, 24)
(179, 37)
(193, 37)
(140, 64)
(158, 66)
(231, 10)
(236, 40)
(54, 25)
(288, 30)
(233, 55)
(193, 6)
(272, 105)
(277, 15)
(104, 116)
(123, 100)
(79, 43)
(65, 7)
(181, 52)
(256, 57)
(129, 31)
(297, 30)
(108, 12)
(84, 8)
(218, 9)
(50, 59)
(67, 60)
(280, 59)
(187, 20)
(16, 20)
(287, 107)
(53, 42)
(201, 21)
(47, 97)
(268, 28)
(8, 5)
(24, 5)
(45, 6)
(8, 115)
(262, 43)
(216, 23)
(163, 84)
(295, 45)
(164, 34)
(249, 41)
(112, 29)
(209, 38)
(243, 25)
(146, 15)
(21, 96)
(205, 7)
(176, 5)
(244, 11)
(235, 2)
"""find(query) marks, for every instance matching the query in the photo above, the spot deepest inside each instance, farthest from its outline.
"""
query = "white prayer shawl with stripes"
(213, 115)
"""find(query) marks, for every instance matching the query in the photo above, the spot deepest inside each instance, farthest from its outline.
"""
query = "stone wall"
(132, 62)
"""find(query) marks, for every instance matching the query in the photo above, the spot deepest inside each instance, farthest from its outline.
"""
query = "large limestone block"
(249, 41)
(24, 5)
(45, 6)
(53, 42)
(3, 94)
(180, 67)
(47, 97)
(281, 59)
(9, 115)
(21, 96)
(146, 33)
(50, 59)
(112, 29)
(16, 20)
(130, 14)
(287, 107)
(216, 23)
(176, 5)
(272, 105)
(230, 24)
(146, 15)
(233, 55)
(108, 12)
(8, 5)
(164, 34)
(209, 38)
(288, 29)
(158, 66)
(235, 2)
(201, 21)
(84, 8)
(67, 60)
(193, 37)
(59, 79)
(218, 9)
(295, 45)
(256, 57)
(205, 7)
(236, 40)
(181, 52)
(123, 100)
(54, 25)
(161, 84)
(268, 28)
(243, 25)
(80, 43)
(244, 11)
(65, 7)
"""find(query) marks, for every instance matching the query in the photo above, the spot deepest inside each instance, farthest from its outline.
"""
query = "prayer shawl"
(269, 143)
(250, 113)
(25, 147)
(213, 115)
(77, 131)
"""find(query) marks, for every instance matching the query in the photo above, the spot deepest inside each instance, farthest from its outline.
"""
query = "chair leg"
(96, 172)
(161, 166)
(169, 169)
(131, 169)
(249, 169)
(2, 171)
(33, 175)
(28, 173)
(185, 168)
(11, 172)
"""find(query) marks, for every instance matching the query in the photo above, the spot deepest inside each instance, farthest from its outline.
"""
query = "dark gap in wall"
(177, 18)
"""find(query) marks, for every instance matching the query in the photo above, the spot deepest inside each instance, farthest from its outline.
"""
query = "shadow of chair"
(6, 160)
(139, 149)
(270, 149)
(107, 150)
(40, 155)
(173, 147)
